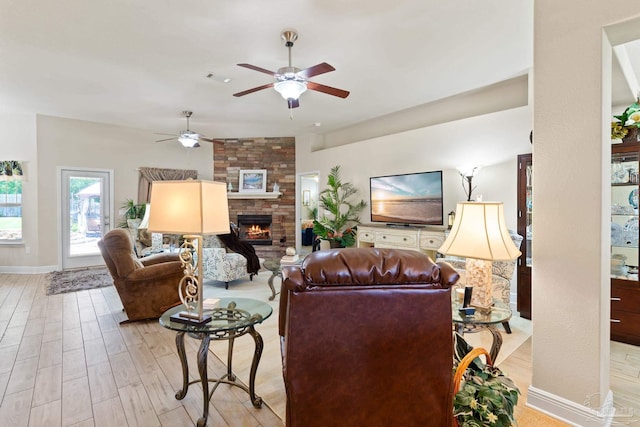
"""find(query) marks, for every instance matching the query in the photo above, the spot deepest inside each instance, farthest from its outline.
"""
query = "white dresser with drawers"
(415, 238)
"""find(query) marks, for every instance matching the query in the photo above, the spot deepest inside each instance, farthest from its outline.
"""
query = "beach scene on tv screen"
(410, 199)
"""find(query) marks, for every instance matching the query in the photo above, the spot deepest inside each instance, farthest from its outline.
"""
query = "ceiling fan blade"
(167, 139)
(255, 89)
(316, 70)
(211, 139)
(159, 133)
(253, 67)
(327, 89)
(293, 103)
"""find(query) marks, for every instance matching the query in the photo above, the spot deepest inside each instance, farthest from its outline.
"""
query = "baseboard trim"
(28, 270)
(571, 412)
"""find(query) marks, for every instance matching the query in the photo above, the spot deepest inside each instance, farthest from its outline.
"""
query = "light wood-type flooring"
(66, 361)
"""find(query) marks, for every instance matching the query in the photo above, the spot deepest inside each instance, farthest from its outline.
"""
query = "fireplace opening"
(255, 229)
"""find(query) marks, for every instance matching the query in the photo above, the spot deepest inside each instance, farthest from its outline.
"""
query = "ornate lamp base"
(189, 319)
(479, 276)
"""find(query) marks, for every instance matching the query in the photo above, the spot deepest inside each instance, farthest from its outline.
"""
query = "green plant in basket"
(486, 396)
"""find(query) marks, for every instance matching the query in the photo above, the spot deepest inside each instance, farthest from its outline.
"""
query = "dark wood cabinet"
(525, 229)
(625, 256)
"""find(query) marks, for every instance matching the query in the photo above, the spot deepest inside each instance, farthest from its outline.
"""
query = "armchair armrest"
(155, 271)
(458, 264)
(159, 258)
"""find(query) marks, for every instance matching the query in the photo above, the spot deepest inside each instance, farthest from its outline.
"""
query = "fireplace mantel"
(265, 195)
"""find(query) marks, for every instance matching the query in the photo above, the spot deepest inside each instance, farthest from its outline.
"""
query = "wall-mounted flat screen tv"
(412, 198)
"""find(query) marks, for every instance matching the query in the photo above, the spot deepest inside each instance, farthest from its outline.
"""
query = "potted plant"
(627, 124)
(338, 226)
(486, 396)
(132, 213)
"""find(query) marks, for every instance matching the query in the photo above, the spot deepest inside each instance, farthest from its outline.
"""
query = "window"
(10, 201)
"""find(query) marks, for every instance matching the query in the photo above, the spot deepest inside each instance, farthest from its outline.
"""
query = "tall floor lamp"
(192, 208)
(480, 234)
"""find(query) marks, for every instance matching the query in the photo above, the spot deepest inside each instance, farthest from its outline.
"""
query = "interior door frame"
(299, 206)
(107, 215)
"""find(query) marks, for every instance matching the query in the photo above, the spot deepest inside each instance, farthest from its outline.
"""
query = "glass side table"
(274, 265)
(499, 313)
(234, 317)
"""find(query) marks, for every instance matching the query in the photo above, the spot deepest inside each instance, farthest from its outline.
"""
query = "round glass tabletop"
(499, 313)
(232, 314)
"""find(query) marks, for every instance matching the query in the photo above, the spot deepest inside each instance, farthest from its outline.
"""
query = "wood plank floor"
(66, 361)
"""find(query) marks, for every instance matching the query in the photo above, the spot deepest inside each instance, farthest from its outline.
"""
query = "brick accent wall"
(278, 157)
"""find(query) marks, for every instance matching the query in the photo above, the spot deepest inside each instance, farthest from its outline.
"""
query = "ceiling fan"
(187, 138)
(291, 82)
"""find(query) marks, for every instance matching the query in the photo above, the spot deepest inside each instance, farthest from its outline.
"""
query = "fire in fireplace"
(255, 229)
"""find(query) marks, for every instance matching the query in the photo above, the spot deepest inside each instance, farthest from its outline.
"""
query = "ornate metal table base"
(496, 344)
(274, 274)
(229, 377)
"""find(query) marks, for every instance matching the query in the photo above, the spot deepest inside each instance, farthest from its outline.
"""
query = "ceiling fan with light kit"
(291, 82)
(187, 138)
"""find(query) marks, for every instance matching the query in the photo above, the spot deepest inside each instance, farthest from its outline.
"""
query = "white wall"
(571, 167)
(492, 140)
(73, 143)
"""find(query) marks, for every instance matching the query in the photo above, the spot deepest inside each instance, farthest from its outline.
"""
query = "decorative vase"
(276, 187)
(632, 136)
(334, 244)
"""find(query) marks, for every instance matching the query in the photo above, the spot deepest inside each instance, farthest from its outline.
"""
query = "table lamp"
(480, 234)
(192, 208)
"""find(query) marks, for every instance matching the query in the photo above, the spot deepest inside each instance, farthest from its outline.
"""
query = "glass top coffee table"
(274, 265)
(232, 319)
(499, 313)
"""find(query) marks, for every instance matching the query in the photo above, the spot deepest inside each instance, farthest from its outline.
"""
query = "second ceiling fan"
(291, 82)
(187, 138)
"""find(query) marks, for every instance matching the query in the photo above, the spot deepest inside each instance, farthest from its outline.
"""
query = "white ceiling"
(140, 63)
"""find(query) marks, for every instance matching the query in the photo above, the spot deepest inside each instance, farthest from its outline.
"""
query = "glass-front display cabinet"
(525, 229)
(625, 256)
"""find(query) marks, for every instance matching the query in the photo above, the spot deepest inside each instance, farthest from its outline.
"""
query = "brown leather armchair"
(147, 286)
(366, 339)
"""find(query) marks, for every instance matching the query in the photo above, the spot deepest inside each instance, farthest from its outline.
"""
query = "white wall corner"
(575, 414)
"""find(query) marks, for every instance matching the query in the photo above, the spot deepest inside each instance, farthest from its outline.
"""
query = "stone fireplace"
(255, 229)
(278, 156)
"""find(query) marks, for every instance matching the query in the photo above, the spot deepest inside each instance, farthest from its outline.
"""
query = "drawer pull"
(616, 299)
(384, 237)
(616, 321)
(404, 238)
(431, 242)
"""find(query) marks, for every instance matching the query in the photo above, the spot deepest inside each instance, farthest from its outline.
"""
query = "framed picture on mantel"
(253, 181)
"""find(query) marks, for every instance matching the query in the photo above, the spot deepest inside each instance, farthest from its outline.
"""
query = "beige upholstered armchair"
(501, 275)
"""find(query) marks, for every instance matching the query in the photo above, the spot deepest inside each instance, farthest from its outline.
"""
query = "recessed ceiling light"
(317, 124)
(218, 78)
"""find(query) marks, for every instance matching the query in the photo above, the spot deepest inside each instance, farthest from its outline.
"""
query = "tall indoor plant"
(337, 227)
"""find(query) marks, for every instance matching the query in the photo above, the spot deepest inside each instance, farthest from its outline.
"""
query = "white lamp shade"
(480, 232)
(144, 224)
(189, 207)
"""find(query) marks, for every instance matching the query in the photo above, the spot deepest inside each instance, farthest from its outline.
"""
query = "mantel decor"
(253, 181)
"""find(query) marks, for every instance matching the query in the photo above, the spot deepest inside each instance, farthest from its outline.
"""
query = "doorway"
(85, 207)
(307, 209)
